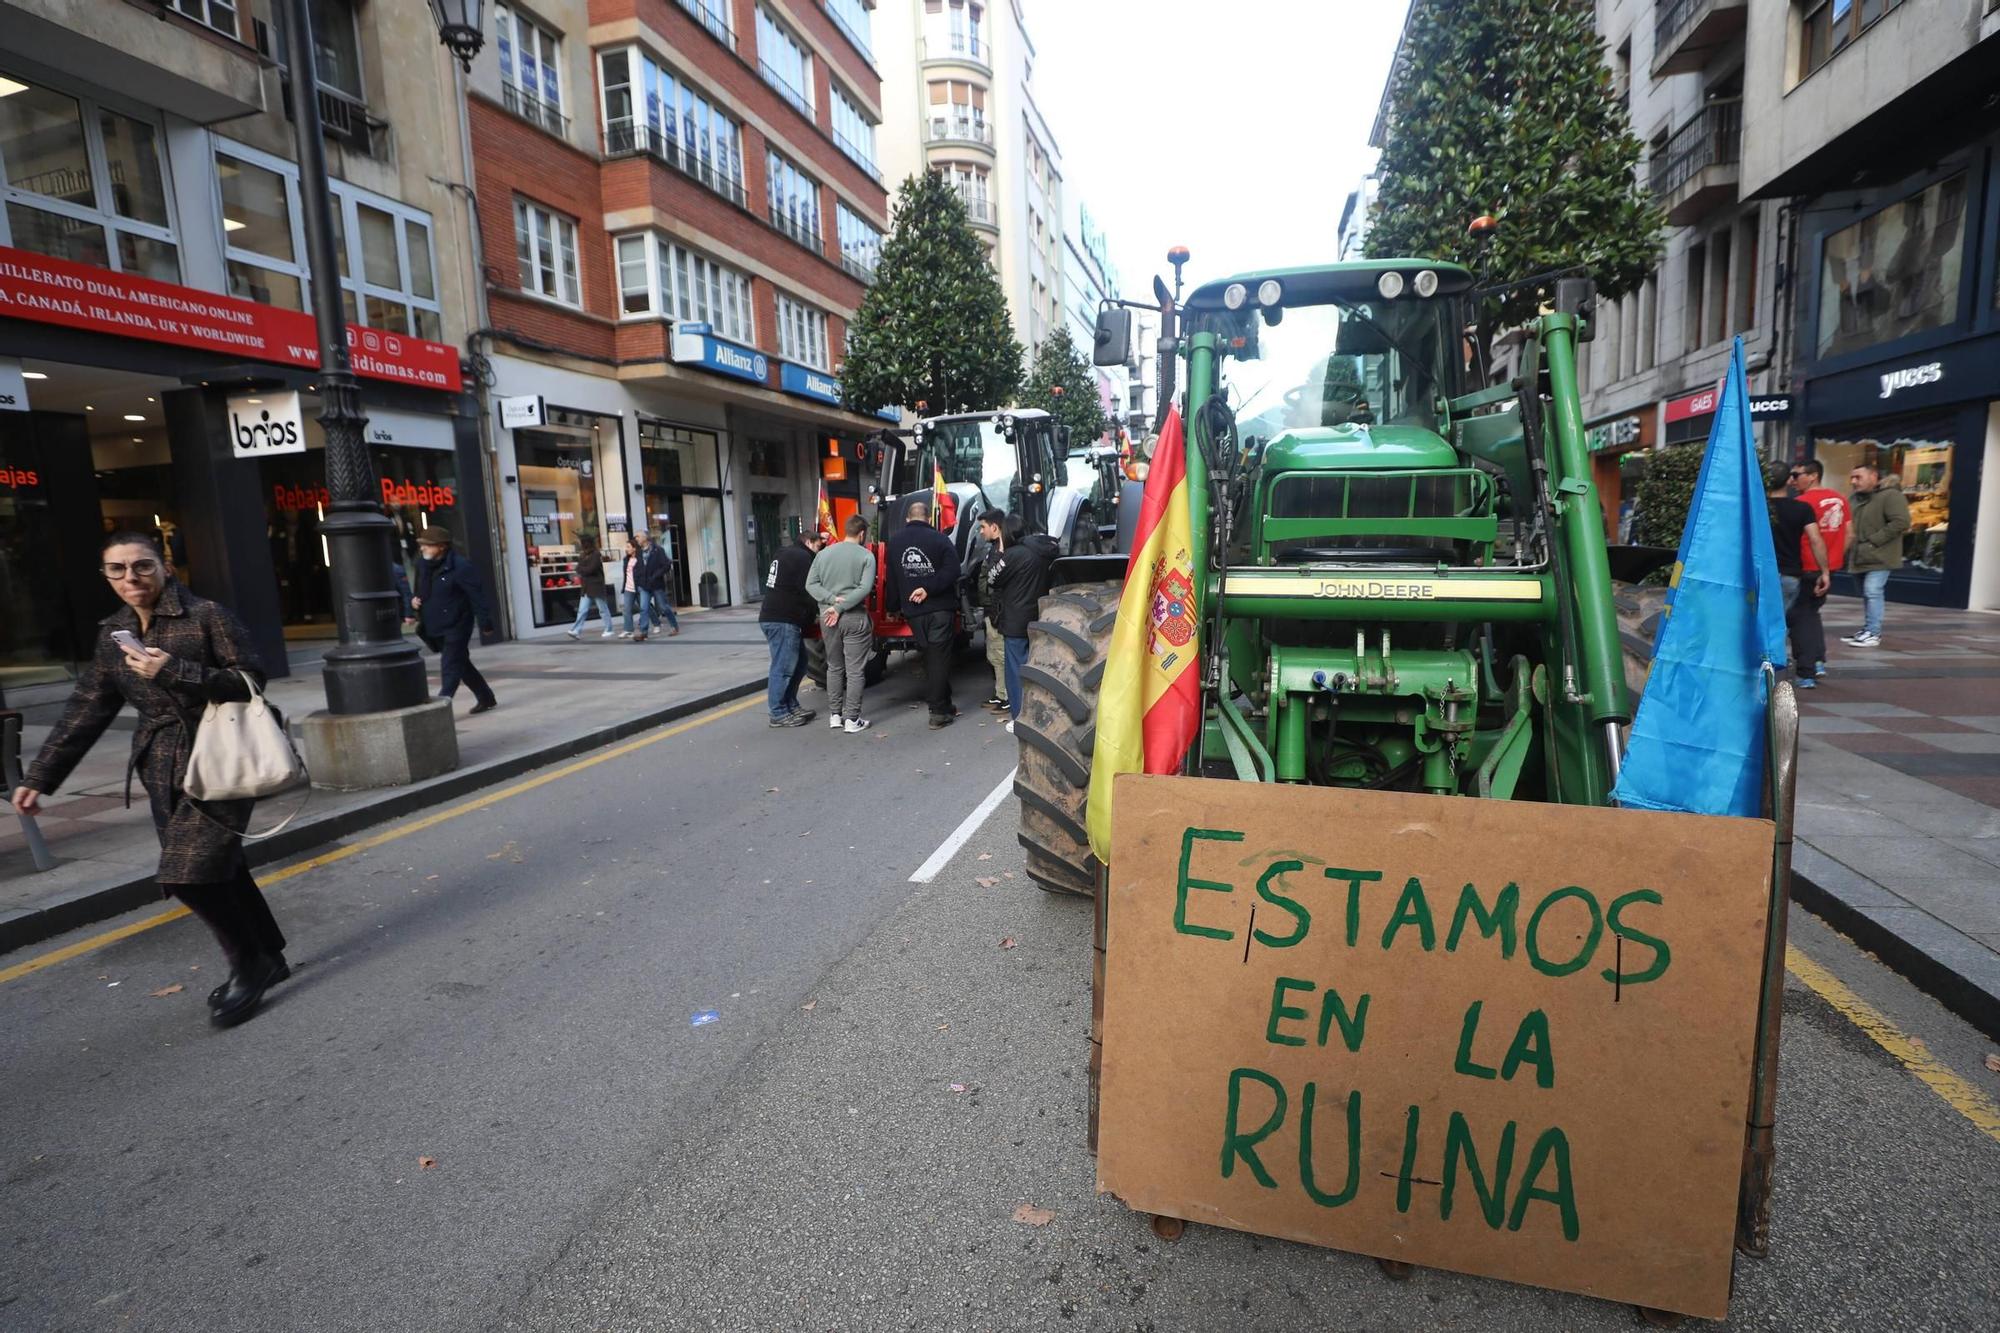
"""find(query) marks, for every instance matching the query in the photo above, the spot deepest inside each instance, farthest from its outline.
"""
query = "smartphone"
(127, 640)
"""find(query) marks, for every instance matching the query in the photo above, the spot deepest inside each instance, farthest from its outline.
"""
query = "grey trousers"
(996, 657)
(847, 647)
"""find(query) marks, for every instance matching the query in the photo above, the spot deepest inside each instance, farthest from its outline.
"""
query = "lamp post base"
(361, 751)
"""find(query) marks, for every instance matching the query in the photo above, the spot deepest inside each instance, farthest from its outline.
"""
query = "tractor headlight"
(1234, 295)
(1270, 292)
(1426, 283)
(1390, 284)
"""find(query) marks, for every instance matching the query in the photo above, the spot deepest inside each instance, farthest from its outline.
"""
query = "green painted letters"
(1409, 1160)
(1183, 883)
(1353, 1184)
(1245, 1145)
(1355, 879)
(1531, 1046)
(1458, 1143)
(1662, 955)
(1469, 1029)
(1552, 1145)
(1412, 909)
(1352, 1026)
(1505, 908)
(1589, 946)
(1280, 1011)
(1301, 918)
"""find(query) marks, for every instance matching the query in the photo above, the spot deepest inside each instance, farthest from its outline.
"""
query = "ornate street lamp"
(459, 28)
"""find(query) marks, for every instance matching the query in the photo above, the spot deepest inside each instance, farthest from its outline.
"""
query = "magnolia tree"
(1060, 366)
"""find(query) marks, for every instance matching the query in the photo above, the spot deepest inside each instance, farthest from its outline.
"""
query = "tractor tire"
(872, 672)
(1057, 731)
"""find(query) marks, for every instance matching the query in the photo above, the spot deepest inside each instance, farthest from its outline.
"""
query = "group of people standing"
(644, 582)
(1816, 531)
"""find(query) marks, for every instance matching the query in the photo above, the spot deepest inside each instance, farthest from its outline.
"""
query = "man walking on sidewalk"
(1794, 530)
(1020, 577)
(450, 599)
(1881, 517)
(839, 582)
(923, 586)
(649, 579)
(1808, 634)
(993, 527)
(787, 614)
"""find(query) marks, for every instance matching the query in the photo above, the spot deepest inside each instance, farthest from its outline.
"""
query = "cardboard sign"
(1498, 1037)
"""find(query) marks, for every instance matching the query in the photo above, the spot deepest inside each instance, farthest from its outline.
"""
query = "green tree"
(1506, 107)
(1059, 363)
(934, 327)
(1666, 493)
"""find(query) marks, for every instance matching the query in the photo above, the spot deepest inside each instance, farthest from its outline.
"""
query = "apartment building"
(958, 100)
(155, 299)
(1356, 212)
(1088, 281)
(680, 208)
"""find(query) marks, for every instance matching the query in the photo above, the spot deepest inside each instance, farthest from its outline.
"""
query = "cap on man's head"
(434, 537)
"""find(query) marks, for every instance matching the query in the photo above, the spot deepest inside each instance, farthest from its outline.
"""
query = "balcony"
(962, 47)
(783, 87)
(534, 109)
(625, 138)
(978, 209)
(857, 155)
(713, 15)
(959, 129)
(1688, 33)
(1697, 170)
(803, 230)
(342, 118)
(858, 268)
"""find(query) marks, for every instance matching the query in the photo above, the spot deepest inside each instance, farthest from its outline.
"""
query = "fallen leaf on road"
(808, 1005)
(985, 881)
(958, 1087)
(943, 1026)
(505, 849)
(165, 991)
(429, 877)
(1008, 943)
(770, 791)
(986, 856)
(1006, 874)
(1029, 1215)
(426, 1163)
(1993, 1062)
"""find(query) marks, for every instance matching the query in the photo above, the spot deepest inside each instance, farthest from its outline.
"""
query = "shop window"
(217, 14)
(1915, 456)
(801, 334)
(682, 470)
(1893, 273)
(860, 243)
(530, 68)
(545, 244)
(650, 109)
(558, 484)
(794, 200)
(84, 182)
(784, 62)
(853, 132)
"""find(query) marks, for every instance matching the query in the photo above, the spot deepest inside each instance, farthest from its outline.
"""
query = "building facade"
(156, 351)
(1088, 281)
(680, 208)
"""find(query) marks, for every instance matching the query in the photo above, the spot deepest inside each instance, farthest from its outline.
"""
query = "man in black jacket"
(650, 577)
(450, 598)
(923, 584)
(788, 612)
(1020, 577)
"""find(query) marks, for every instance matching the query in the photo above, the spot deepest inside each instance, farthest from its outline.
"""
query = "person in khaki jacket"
(1875, 547)
(839, 582)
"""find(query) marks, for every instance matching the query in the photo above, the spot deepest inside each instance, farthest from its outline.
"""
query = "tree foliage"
(1666, 493)
(934, 328)
(1507, 107)
(1057, 361)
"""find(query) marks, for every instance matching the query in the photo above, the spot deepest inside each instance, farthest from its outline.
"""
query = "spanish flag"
(1149, 705)
(944, 513)
(824, 517)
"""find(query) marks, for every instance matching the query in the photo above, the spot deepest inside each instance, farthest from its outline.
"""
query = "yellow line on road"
(388, 835)
(1911, 1053)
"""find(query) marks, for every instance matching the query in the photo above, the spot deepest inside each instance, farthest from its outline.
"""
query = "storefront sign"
(1770, 406)
(1692, 405)
(1910, 377)
(79, 296)
(408, 430)
(808, 383)
(1967, 371)
(13, 387)
(617, 523)
(696, 345)
(263, 424)
(1620, 434)
(19, 479)
(297, 499)
(417, 494)
(524, 410)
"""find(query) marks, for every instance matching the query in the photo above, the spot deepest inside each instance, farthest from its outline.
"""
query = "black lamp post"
(374, 668)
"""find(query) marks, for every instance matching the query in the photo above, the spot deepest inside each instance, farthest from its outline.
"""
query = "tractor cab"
(993, 460)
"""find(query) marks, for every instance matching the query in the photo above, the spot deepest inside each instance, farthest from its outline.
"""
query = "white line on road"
(940, 858)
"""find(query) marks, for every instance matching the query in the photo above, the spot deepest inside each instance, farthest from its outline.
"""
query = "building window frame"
(710, 152)
(793, 197)
(563, 281)
(853, 132)
(1962, 315)
(715, 16)
(515, 30)
(660, 278)
(1828, 27)
(860, 242)
(855, 20)
(778, 51)
(205, 13)
(802, 333)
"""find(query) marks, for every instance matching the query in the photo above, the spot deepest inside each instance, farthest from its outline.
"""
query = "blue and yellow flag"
(1697, 743)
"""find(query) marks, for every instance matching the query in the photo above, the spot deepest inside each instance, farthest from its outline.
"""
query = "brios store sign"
(264, 424)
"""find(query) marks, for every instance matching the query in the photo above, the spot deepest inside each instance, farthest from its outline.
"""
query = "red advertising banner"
(1693, 404)
(78, 296)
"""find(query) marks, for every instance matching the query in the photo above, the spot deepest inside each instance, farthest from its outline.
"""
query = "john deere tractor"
(1402, 575)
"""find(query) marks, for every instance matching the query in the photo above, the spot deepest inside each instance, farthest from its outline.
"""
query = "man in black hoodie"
(788, 612)
(923, 585)
(1020, 577)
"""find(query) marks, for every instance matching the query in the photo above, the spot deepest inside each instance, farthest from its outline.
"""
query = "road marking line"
(940, 858)
(1958, 1094)
(388, 835)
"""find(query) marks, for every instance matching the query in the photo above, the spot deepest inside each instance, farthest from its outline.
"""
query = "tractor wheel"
(1057, 730)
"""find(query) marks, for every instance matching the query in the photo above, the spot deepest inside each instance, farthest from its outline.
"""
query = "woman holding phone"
(168, 653)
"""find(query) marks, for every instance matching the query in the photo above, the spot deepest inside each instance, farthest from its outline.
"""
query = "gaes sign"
(263, 424)
(1504, 1038)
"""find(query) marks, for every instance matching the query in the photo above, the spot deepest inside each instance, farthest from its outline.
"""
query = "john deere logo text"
(1376, 588)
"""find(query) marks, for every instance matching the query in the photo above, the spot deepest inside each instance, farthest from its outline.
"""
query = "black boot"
(244, 990)
(283, 970)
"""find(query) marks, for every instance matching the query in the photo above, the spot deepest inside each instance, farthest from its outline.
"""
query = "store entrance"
(558, 469)
(682, 471)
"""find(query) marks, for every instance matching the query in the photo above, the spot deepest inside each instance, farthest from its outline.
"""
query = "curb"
(89, 906)
(1958, 972)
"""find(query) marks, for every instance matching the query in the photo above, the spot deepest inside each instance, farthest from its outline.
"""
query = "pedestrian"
(993, 529)
(923, 586)
(451, 601)
(647, 583)
(169, 653)
(628, 586)
(839, 582)
(1794, 528)
(1020, 577)
(788, 612)
(596, 592)
(1808, 633)
(1881, 517)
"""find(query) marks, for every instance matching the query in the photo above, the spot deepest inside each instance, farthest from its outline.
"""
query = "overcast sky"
(1244, 155)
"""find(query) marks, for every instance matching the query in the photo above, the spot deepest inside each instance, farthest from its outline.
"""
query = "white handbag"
(241, 752)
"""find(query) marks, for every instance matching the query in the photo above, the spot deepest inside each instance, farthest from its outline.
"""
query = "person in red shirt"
(1808, 635)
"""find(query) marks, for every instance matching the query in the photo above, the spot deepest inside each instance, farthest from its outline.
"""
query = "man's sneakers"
(486, 707)
(1805, 683)
(1863, 640)
(609, 634)
(941, 720)
(574, 634)
(856, 725)
(994, 702)
(1010, 726)
(795, 719)
(834, 721)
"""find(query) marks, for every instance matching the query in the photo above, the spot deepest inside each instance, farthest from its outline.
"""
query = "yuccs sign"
(1498, 1037)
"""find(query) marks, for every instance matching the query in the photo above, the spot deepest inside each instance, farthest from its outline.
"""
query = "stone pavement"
(1898, 840)
(557, 698)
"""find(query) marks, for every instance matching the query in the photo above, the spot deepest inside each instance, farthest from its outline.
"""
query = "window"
(659, 277)
(802, 333)
(387, 276)
(860, 243)
(1746, 261)
(1829, 25)
(714, 15)
(1893, 273)
(1918, 454)
(85, 183)
(854, 132)
(217, 14)
(853, 19)
(969, 183)
(545, 244)
(530, 68)
(1692, 291)
(650, 109)
(785, 63)
(1715, 307)
(337, 47)
(794, 200)
(958, 111)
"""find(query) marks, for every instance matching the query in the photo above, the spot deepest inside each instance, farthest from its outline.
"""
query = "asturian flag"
(1149, 704)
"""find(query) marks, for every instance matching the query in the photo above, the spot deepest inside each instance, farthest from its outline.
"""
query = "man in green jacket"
(1875, 548)
(841, 578)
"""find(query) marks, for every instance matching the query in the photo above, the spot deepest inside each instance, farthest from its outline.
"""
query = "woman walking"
(597, 593)
(634, 598)
(168, 653)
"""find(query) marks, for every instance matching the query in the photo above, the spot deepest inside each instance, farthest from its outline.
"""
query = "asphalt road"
(511, 994)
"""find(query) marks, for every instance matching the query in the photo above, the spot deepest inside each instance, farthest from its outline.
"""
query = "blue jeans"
(1874, 589)
(653, 607)
(788, 667)
(583, 605)
(1017, 656)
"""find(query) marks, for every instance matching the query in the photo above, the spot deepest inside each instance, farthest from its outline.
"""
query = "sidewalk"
(557, 698)
(1898, 839)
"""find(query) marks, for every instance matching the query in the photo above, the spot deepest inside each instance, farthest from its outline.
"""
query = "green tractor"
(1404, 576)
